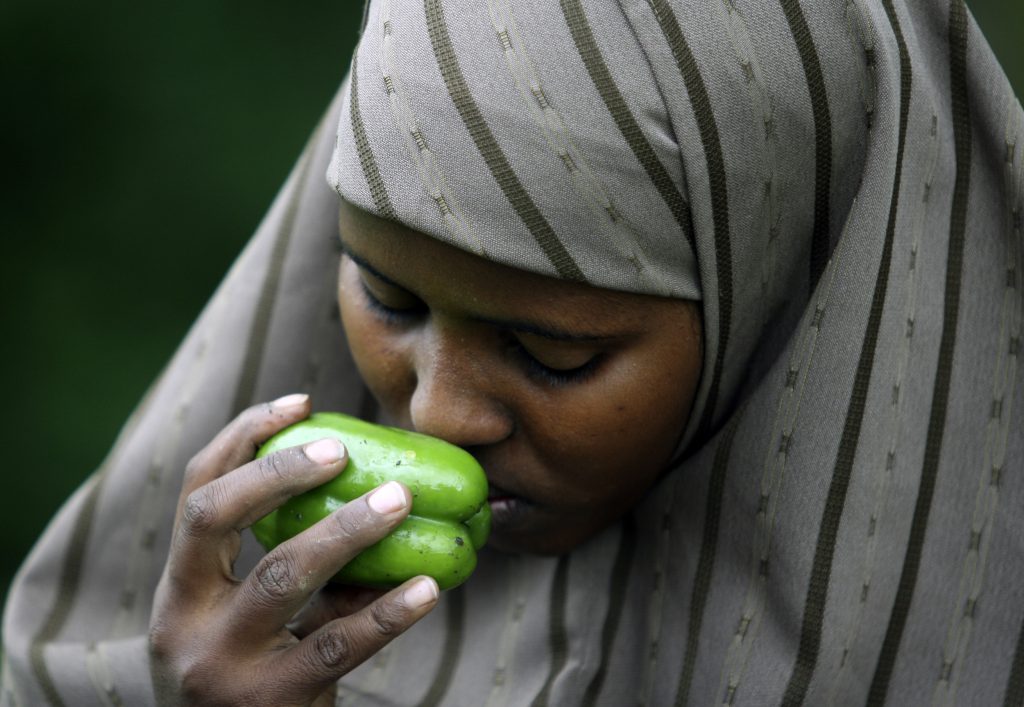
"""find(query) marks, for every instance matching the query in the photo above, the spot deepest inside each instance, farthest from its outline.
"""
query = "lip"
(508, 511)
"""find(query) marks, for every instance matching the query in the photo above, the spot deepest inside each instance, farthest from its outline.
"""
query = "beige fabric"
(846, 525)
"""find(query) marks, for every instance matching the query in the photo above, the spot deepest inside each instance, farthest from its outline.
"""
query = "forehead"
(450, 277)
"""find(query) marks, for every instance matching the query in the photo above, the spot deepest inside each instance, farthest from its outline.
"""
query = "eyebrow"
(546, 331)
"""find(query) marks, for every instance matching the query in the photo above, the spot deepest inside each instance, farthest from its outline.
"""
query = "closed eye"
(550, 375)
(387, 313)
(534, 366)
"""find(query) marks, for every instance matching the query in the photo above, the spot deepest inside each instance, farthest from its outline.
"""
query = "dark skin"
(573, 399)
(270, 638)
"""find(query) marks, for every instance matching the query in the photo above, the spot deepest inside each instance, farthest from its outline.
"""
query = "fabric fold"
(839, 186)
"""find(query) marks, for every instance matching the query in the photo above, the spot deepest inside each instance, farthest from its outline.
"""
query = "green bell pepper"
(449, 520)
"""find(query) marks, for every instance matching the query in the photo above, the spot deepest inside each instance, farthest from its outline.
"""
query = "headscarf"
(839, 184)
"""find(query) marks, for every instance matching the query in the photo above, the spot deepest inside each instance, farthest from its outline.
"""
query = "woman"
(699, 288)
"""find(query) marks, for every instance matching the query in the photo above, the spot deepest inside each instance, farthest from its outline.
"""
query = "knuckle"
(275, 578)
(386, 620)
(200, 512)
(331, 649)
(347, 524)
(199, 686)
(276, 466)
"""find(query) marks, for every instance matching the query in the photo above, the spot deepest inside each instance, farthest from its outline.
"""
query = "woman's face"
(572, 398)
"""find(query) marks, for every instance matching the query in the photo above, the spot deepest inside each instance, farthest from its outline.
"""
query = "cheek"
(605, 445)
(377, 351)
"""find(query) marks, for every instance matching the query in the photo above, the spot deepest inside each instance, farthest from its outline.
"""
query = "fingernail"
(388, 498)
(420, 594)
(290, 401)
(324, 451)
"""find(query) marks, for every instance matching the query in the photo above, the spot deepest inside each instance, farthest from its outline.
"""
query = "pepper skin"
(449, 520)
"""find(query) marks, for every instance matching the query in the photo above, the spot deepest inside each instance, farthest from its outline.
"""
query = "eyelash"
(554, 377)
(388, 315)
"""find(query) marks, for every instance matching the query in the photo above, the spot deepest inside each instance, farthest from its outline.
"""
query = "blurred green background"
(143, 143)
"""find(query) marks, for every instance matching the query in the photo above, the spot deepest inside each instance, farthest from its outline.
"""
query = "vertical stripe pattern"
(1013, 696)
(586, 45)
(822, 135)
(706, 560)
(490, 150)
(451, 650)
(817, 589)
(378, 192)
(617, 584)
(958, 26)
(558, 638)
(811, 472)
(719, 193)
(260, 327)
(67, 587)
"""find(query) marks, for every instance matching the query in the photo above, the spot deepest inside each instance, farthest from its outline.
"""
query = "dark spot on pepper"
(459, 541)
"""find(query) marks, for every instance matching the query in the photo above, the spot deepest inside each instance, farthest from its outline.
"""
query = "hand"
(219, 640)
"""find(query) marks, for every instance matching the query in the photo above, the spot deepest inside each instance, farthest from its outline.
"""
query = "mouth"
(508, 511)
(497, 493)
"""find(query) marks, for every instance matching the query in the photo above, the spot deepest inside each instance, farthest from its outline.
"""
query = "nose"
(454, 397)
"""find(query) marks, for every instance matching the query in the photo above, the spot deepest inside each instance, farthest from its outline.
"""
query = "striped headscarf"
(839, 184)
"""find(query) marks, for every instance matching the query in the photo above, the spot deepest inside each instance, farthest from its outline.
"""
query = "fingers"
(317, 661)
(212, 515)
(237, 443)
(333, 601)
(288, 575)
(206, 624)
